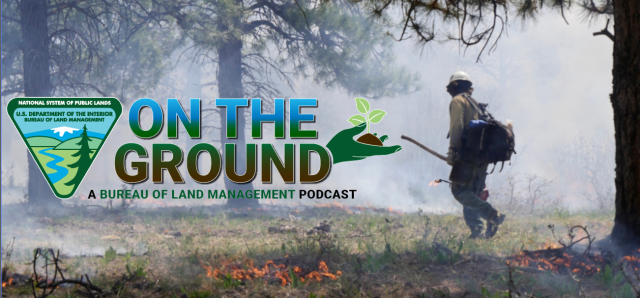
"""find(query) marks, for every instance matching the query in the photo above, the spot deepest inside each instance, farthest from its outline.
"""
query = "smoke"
(554, 87)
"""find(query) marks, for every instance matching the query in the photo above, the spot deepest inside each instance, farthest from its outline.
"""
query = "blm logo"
(64, 135)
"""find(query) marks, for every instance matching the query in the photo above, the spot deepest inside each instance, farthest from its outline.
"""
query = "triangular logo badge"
(64, 135)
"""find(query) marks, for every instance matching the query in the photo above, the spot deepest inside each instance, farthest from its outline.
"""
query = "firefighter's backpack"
(487, 139)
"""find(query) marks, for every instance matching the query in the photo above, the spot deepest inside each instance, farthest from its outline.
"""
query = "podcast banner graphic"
(64, 135)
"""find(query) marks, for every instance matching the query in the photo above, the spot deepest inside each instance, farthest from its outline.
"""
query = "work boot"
(492, 224)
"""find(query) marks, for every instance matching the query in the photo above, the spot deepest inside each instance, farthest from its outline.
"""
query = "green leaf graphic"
(357, 119)
(376, 116)
(362, 105)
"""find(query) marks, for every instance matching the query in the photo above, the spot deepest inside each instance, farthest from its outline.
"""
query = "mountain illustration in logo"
(64, 140)
(63, 133)
(66, 137)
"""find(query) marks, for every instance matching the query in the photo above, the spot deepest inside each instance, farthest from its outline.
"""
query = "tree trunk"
(230, 86)
(626, 117)
(37, 83)
(193, 89)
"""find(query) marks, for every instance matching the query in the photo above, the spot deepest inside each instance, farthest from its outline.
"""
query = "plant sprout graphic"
(344, 148)
(374, 116)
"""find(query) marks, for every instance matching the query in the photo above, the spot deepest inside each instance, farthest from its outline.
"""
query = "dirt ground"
(330, 251)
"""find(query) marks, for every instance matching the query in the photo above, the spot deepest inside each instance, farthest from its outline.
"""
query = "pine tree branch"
(250, 26)
(605, 31)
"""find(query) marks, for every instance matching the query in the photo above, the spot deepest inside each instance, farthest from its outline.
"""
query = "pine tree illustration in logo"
(84, 162)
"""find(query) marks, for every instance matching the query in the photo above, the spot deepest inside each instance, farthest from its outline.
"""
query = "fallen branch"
(567, 260)
(48, 283)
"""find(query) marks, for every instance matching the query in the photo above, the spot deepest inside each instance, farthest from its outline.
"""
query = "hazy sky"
(557, 83)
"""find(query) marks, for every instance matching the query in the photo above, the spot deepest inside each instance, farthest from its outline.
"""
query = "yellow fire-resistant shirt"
(461, 112)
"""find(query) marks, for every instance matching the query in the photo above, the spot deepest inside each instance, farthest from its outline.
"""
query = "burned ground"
(333, 250)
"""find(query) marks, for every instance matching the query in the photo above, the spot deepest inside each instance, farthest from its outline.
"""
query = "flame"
(7, 283)
(434, 183)
(247, 271)
(633, 262)
(323, 270)
(550, 245)
(557, 261)
(334, 205)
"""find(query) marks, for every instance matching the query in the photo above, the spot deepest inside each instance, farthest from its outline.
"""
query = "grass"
(109, 255)
(380, 254)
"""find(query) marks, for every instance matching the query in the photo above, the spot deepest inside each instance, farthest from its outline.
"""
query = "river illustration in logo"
(64, 139)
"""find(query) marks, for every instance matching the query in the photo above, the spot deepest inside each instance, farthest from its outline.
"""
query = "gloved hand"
(451, 156)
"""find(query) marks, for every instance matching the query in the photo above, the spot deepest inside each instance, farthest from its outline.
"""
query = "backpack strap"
(494, 167)
(481, 108)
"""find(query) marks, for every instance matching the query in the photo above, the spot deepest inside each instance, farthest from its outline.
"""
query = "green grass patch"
(43, 142)
(72, 144)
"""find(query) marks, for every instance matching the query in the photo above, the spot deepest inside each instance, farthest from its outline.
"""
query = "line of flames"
(590, 264)
(10, 282)
(247, 271)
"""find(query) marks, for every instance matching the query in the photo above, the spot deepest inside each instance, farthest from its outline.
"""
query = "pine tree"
(79, 48)
(256, 45)
(84, 161)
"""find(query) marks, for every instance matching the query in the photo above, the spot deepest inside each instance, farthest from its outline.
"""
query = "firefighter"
(463, 109)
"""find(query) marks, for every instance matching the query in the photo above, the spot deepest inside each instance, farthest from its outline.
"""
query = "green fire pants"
(473, 207)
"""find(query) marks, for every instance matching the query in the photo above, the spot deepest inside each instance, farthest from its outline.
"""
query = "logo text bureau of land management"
(64, 135)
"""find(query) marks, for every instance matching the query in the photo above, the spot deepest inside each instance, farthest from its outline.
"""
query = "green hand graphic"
(344, 148)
